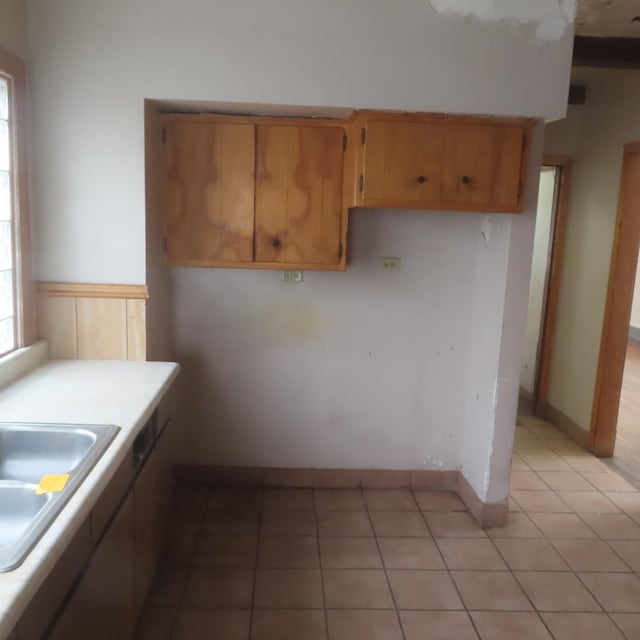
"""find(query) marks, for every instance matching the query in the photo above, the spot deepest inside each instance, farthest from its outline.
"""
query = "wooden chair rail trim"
(78, 290)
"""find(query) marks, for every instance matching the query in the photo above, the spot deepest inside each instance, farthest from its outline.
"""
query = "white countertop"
(119, 393)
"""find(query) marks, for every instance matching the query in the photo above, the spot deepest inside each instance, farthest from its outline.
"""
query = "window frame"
(12, 70)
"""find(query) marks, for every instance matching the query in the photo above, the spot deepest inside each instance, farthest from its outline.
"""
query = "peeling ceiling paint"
(608, 18)
(551, 17)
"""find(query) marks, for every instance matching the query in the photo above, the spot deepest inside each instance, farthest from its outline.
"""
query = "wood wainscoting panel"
(93, 321)
(136, 334)
(57, 324)
(102, 329)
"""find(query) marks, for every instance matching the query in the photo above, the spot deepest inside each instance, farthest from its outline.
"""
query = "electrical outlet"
(292, 276)
(390, 264)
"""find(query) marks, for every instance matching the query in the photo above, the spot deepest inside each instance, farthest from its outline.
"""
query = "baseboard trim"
(486, 514)
(634, 334)
(316, 478)
(566, 424)
(525, 401)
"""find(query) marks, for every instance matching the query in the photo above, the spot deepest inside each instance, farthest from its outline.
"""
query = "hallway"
(627, 451)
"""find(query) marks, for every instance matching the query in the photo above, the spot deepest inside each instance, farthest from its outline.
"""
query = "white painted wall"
(13, 27)
(609, 120)
(362, 368)
(635, 310)
(537, 282)
(94, 62)
(492, 372)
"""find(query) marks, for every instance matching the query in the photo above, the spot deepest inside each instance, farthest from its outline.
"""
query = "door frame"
(563, 164)
(617, 313)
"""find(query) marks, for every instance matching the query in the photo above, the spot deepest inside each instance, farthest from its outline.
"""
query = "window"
(16, 314)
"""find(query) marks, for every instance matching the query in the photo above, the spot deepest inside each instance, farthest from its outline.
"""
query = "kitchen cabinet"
(209, 191)
(437, 162)
(101, 606)
(127, 541)
(152, 498)
(298, 194)
(262, 193)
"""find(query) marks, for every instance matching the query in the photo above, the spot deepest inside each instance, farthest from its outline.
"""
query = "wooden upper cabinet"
(209, 191)
(482, 164)
(438, 162)
(298, 194)
(403, 161)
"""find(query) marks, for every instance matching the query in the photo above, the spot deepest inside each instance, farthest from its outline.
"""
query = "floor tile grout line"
(453, 582)
(203, 517)
(324, 595)
(255, 567)
(384, 568)
(524, 591)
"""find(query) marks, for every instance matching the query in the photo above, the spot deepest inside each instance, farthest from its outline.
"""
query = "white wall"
(609, 120)
(537, 282)
(635, 310)
(94, 63)
(13, 27)
(362, 368)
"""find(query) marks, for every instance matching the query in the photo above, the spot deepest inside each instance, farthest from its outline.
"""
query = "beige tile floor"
(297, 564)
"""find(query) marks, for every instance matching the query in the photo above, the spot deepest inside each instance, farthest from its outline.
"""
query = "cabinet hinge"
(340, 249)
(164, 245)
(344, 142)
(524, 141)
(361, 183)
(164, 135)
(363, 135)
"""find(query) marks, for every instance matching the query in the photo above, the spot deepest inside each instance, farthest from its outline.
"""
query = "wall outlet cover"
(292, 276)
(390, 264)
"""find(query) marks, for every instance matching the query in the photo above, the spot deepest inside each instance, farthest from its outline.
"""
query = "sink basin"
(28, 452)
(19, 505)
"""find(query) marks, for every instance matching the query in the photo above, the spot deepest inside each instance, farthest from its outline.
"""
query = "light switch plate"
(292, 276)
(390, 264)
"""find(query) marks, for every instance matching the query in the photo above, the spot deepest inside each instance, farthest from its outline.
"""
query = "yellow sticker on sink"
(52, 484)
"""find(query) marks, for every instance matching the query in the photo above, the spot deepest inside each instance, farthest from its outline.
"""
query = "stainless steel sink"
(28, 452)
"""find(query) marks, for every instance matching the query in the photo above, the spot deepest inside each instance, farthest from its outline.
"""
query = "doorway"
(614, 344)
(545, 281)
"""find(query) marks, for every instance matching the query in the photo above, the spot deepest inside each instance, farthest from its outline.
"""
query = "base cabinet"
(110, 592)
(151, 495)
(101, 607)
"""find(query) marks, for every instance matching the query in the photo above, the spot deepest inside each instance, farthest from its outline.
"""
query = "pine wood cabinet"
(275, 193)
(209, 191)
(438, 162)
(254, 192)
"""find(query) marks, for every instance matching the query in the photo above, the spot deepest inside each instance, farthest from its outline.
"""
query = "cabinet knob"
(465, 180)
(421, 179)
(276, 243)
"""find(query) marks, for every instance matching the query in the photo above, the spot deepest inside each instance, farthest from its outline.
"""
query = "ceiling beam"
(612, 53)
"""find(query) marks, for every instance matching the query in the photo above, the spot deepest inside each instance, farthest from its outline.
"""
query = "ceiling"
(608, 18)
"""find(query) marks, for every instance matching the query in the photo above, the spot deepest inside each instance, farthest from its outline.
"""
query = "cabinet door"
(482, 164)
(298, 194)
(152, 497)
(209, 185)
(101, 607)
(403, 161)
